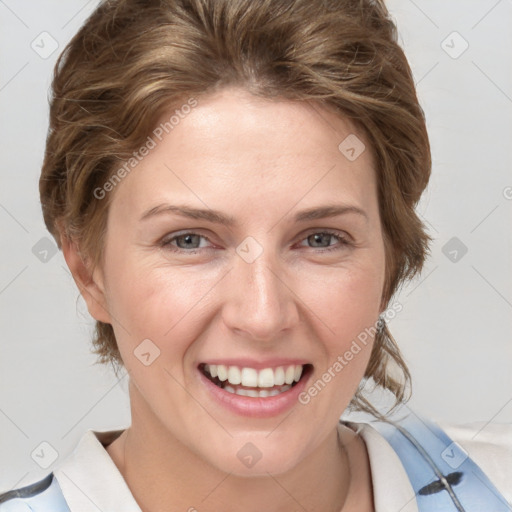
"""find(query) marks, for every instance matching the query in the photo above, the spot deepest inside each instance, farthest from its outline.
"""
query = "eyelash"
(344, 242)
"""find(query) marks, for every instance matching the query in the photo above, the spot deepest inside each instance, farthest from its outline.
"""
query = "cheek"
(147, 300)
(347, 306)
(346, 300)
(169, 306)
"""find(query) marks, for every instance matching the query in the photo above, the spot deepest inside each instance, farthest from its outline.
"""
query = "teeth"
(262, 393)
(222, 372)
(279, 376)
(250, 377)
(266, 378)
(234, 375)
(289, 375)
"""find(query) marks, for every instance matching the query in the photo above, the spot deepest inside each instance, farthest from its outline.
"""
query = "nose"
(260, 304)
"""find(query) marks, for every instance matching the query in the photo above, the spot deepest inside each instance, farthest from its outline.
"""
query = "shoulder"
(490, 446)
(41, 496)
(486, 445)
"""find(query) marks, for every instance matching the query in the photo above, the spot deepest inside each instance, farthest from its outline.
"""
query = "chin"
(256, 457)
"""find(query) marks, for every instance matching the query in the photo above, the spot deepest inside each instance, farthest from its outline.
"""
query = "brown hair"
(132, 60)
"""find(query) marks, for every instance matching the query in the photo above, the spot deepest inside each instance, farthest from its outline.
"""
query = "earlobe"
(91, 287)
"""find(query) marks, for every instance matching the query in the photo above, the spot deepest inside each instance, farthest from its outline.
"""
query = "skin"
(238, 153)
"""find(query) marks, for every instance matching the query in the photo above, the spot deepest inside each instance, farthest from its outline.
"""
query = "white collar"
(392, 489)
(90, 481)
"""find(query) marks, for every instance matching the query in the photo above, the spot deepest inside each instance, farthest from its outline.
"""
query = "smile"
(250, 382)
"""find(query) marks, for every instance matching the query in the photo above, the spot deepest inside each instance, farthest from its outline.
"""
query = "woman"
(233, 185)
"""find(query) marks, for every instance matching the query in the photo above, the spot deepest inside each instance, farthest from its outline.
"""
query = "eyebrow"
(217, 217)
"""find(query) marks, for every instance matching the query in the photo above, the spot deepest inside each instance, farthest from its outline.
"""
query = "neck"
(162, 473)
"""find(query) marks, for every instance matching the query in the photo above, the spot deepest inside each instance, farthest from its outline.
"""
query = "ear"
(89, 283)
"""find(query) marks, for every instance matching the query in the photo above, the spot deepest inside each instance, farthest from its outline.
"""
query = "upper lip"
(257, 364)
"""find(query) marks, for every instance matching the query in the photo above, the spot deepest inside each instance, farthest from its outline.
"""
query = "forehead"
(233, 142)
(235, 118)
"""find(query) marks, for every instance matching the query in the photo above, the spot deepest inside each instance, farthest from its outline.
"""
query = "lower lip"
(255, 407)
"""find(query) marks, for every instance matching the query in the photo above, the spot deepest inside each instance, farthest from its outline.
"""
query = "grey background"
(455, 326)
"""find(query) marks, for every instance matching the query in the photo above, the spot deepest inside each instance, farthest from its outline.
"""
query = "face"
(250, 278)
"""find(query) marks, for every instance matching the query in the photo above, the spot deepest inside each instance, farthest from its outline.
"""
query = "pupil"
(187, 239)
(318, 237)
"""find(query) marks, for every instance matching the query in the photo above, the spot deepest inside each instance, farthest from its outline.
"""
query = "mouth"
(256, 383)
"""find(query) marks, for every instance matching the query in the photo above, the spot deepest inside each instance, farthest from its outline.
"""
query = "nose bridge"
(260, 304)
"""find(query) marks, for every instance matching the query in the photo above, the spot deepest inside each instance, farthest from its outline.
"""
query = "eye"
(186, 242)
(190, 242)
(325, 236)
